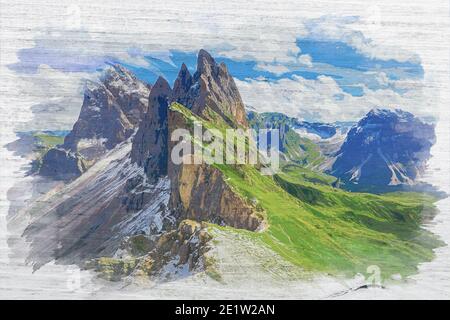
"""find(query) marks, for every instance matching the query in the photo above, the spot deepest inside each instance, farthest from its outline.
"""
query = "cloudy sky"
(316, 60)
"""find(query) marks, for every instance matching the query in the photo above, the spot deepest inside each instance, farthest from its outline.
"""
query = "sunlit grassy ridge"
(302, 150)
(48, 140)
(318, 227)
(44, 142)
(297, 149)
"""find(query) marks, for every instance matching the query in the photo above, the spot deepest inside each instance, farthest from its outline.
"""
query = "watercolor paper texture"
(287, 150)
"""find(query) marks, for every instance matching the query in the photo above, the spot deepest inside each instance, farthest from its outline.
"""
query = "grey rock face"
(110, 114)
(210, 87)
(62, 164)
(111, 110)
(150, 146)
(92, 216)
(182, 85)
(385, 148)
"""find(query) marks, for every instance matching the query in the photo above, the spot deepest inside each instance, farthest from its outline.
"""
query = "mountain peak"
(381, 112)
(112, 108)
(182, 85)
(386, 148)
(116, 75)
(183, 68)
(161, 84)
(211, 87)
(150, 143)
(204, 61)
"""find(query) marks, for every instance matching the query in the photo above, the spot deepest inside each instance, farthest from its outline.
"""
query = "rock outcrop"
(385, 148)
(186, 245)
(211, 87)
(112, 110)
(150, 144)
(200, 192)
(61, 164)
(175, 253)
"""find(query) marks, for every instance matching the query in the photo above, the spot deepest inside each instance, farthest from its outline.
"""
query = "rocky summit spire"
(182, 85)
(150, 146)
(205, 62)
(211, 87)
(111, 110)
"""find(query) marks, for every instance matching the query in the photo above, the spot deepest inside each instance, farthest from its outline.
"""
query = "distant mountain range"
(276, 120)
(126, 209)
(385, 148)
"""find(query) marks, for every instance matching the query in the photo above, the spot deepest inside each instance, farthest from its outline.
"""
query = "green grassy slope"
(302, 150)
(42, 143)
(299, 150)
(48, 140)
(318, 227)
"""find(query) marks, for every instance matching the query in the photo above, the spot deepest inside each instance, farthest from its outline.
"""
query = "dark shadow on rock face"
(386, 148)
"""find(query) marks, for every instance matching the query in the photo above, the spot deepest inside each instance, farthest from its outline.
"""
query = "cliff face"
(111, 111)
(385, 148)
(150, 146)
(135, 189)
(200, 192)
(62, 164)
(210, 87)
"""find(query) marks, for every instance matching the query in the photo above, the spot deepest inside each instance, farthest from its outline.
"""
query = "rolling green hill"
(321, 228)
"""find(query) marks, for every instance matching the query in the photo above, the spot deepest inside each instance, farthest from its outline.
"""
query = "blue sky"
(316, 75)
(351, 69)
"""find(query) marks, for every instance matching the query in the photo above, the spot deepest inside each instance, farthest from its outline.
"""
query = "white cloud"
(306, 60)
(264, 31)
(277, 69)
(22, 93)
(348, 30)
(324, 100)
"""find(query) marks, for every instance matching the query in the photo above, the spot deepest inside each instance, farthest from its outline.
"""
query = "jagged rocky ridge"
(210, 88)
(132, 188)
(198, 192)
(385, 148)
(132, 211)
(111, 112)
